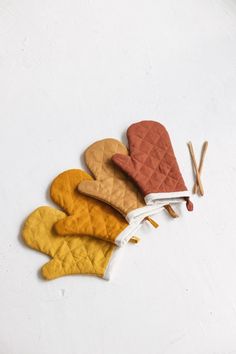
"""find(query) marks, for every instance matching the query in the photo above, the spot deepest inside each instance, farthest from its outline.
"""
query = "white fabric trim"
(112, 263)
(127, 234)
(166, 198)
(138, 215)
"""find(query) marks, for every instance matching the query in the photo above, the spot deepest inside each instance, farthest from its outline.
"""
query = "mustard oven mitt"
(111, 185)
(85, 215)
(70, 255)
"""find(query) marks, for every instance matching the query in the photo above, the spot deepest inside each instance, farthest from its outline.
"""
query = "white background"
(76, 71)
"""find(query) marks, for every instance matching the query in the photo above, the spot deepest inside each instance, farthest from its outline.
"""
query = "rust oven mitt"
(112, 186)
(152, 165)
(70, 255)
(85, 215)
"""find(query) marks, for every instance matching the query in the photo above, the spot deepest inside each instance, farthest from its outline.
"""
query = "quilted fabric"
(70, 255)
(111, 185)
(85, 215)
(152, 163)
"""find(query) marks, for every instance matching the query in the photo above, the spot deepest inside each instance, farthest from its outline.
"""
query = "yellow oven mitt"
(85, 215)
(70, 255)
(112, 186)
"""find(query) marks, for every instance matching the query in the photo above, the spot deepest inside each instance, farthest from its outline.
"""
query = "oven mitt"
(111, 185)
(85, 215)
(70, 255)
(152, 164)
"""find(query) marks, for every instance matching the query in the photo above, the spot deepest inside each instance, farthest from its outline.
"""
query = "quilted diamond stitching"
(116, 180)
(147, 146)
(88, 211)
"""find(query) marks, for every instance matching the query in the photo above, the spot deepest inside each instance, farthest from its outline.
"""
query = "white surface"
(73, 72)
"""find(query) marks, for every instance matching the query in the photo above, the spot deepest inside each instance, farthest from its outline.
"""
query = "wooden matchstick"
(203, 154)
(198, 179)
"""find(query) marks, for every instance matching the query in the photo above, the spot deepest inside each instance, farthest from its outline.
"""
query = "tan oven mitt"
(70, 255)
(85, 215)
(111, 185)
(152, 164)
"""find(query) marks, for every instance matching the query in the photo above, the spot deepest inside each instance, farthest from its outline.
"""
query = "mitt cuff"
(111, 264)
(124, 237)
(139, 215)
(166, 198)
